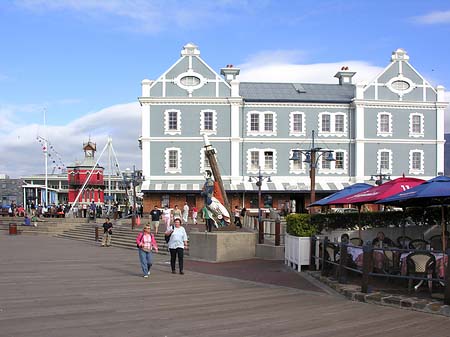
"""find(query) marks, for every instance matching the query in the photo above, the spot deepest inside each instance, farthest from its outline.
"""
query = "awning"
(274, 187)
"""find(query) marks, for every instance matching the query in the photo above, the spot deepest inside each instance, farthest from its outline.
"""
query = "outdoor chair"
(420, 265)
(356, 242)
(418, 244)
(436, 242)
(403, 241)
(391, 262)
(331, 250)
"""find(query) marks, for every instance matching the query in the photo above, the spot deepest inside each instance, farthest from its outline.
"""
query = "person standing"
(208, 221)
(194, 214)
(185, 213)
(177, 244)
(237, 217)
(176, 212)
(167, 216)
(155, 216)
(107, 233)
(145, 241)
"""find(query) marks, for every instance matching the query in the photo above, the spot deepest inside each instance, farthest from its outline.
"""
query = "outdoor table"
(357, 257)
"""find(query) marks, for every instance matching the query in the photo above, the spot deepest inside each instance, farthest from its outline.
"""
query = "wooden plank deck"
(57, 287)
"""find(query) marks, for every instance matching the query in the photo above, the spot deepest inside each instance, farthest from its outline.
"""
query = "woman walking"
(177, 244)
(145, 242)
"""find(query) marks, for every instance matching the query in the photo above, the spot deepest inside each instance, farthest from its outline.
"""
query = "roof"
(296, 92)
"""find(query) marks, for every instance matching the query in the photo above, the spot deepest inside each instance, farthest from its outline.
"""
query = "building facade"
(392, 126)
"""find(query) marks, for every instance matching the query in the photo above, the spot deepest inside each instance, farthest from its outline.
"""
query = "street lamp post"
(259, 179)
(133, 177)
(312, 156)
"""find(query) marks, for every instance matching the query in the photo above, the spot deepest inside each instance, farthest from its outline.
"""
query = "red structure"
(78, 174)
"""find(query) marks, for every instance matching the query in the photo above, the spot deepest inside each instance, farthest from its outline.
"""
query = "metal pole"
(277, 232)
(260, 222)
(133, 181)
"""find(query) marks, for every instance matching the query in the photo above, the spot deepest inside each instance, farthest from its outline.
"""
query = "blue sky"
(83, 60)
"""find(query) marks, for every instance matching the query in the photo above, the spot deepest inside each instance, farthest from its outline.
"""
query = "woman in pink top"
(146, 242)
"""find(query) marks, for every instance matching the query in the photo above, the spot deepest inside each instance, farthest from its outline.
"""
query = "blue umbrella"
(349, 190)
(434, 192)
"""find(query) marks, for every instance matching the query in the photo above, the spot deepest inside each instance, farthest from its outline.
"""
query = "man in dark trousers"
(107, 233)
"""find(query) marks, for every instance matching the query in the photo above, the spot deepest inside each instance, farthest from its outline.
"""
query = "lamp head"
(307, 158)
(295, 155)
(329, 156)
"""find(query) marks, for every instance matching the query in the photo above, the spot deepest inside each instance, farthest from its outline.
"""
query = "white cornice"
(298, 105)
(399, 105)
(189, 101)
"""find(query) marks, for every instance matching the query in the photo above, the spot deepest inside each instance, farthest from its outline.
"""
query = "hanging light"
(295, 155)
(307, 158)
(329, 156)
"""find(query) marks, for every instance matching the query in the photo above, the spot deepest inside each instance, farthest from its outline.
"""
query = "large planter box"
(297, 251)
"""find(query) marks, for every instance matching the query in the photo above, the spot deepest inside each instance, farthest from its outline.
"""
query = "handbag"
(167, 237)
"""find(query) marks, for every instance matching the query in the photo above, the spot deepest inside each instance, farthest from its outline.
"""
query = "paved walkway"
(57, 287)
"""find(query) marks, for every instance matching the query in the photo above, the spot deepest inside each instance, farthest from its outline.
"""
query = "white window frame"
(422, 127)
(261, 162)
(332, 131)
(261, 121)
(203, 131)
(292, 132)
(384, 171)
(421, 170)
(292, 168)
(168, 131)
(345, 162)
(168, 169)
(382, 133)
(203, 161)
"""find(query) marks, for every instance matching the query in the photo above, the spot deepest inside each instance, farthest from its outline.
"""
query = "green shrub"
(300, 225)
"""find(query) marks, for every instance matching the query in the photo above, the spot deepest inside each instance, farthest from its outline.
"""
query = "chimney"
(345, 76)
(230, 72)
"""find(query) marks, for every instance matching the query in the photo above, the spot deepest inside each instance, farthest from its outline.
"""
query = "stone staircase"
(47, 226)
(123, 236)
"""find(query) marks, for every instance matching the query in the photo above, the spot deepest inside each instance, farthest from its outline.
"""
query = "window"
(416, 125)
(384, 125)
(268, 160)
(384, 161)
(326, 123)
(165, 200)
(339, 123)
(296, 123)
(204, 162)
(261, 123)
(325, 164)
(339, 157)
(268, 122)
(264, 159)
(416, 162)
(172, 122)
(208, 122)
(400, 85)
(332, 124)
(190, 81)
(254, 122)
(173, 160)
(296, 166)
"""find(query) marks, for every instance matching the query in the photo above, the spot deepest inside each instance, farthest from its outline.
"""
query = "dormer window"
(400, 85)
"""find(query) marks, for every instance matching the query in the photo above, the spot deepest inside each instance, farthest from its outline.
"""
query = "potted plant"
(299, 230)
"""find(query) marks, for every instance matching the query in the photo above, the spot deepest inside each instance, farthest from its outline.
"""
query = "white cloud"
(24, 152)
(436, 17)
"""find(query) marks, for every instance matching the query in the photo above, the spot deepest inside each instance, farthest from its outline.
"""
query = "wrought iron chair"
(418, 244)
(436, 242)
(356, 242)
(403, 241)
(420, 265)
(391, 262)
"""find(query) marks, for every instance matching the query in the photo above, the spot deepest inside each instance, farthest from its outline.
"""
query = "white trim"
(302, 132)
(202, 122)
(292, 170)
(332, 132)
(383, 133)
(261, 120)
(190, 88)
(168, 131)
(384, 171)
(422, 127)
(400, 78)
(202, 165)
(167, 169)
(261, 163)
(421, 170)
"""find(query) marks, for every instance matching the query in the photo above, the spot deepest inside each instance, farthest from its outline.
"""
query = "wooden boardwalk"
(57, 287)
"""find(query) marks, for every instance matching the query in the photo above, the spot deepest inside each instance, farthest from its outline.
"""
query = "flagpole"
(46, 160)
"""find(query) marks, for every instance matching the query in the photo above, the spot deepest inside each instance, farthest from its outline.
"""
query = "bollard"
(96, 233)
(277, 232)
(12, 229)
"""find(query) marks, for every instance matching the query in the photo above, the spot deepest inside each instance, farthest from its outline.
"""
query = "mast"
(210, 153)
(46, 160)
(109, 176)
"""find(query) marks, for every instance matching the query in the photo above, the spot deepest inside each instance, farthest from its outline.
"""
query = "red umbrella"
(378, 192)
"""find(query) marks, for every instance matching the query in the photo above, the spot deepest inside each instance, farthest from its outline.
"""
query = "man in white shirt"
(185, 213)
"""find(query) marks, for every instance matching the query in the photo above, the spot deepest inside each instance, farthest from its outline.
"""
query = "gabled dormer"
(399, 81)
(190, 76)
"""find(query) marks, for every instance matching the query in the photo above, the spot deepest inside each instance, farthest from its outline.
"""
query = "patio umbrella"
(434, 192)
(376, 193)
(349, 190)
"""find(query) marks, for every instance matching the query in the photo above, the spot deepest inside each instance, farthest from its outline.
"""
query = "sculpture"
(217, 212)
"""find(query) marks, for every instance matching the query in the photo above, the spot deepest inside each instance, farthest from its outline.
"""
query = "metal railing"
(273, 230)
(341, 263)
